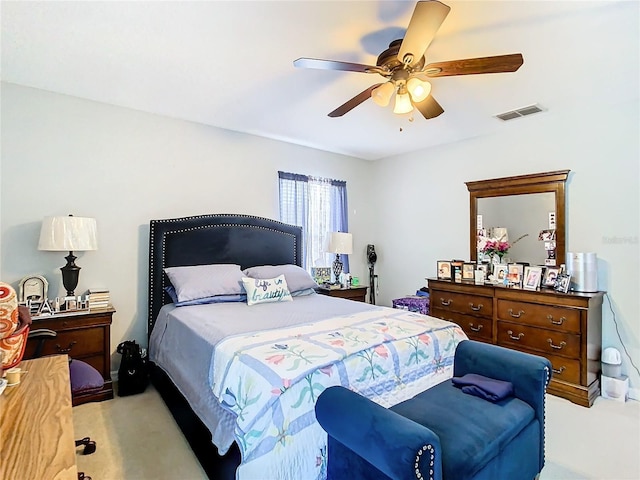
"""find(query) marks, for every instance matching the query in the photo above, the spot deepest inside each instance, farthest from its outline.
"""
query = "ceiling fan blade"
(429, 108)
(334, 65)
(354, 102)
(425, 22)
(472, 66)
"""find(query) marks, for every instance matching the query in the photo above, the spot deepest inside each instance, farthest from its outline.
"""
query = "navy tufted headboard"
(221, 238)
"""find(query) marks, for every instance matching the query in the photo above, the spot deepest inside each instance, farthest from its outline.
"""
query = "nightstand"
(85, 335)
(358, 294)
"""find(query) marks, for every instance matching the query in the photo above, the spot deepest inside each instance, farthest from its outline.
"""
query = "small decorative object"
(321, 274)
(68, 234)
(45, 309)
(444, 270)
(532, 276)
(33, 288)
(562, 282)
(468, 270)
(550, 276)
(479, 277)
(340, 243)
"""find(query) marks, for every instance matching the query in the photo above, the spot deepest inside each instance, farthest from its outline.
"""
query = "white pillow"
(297, 277)
(202, 281)
(266, 290)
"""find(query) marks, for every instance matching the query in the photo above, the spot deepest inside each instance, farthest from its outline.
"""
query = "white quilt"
(270, 381)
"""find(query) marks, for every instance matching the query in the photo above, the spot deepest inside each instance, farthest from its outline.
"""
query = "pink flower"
(381, 350)
(339, 343)
(275, 359)
(424, 338)
(286, 382)
(327, 370)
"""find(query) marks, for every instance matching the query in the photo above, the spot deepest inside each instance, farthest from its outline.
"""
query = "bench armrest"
(392, 442)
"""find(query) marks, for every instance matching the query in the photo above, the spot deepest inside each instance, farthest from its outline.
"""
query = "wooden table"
(352, 293)
(36, 423)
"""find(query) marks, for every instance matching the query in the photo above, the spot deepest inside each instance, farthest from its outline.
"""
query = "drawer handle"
(59, 349)
(559, 372)
(474, 328)
(444, 302)
(557, 347)
(512, 337)
(514, 315)
(474, 308)
(554, 322)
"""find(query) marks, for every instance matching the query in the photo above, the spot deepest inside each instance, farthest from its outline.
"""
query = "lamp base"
(337, 268)
(70, 274)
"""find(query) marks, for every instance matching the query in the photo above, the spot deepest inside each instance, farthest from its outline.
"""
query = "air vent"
(520, 112)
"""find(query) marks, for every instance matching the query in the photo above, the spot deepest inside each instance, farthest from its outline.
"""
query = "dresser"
(84, 335)
(566, 328)
(358, 294)
(37, 423)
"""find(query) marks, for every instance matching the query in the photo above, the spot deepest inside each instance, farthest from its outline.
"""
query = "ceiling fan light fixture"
(418, 89)
(403, 104)
(382, 94)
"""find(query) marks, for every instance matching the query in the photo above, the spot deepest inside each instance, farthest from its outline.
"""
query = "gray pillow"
(297, 277)
(201, 281)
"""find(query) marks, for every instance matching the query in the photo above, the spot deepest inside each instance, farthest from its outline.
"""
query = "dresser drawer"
(539, 339)
(477, 328)
(461, 303)
(563, 319)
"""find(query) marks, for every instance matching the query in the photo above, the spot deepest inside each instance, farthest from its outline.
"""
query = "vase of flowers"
(496, 249)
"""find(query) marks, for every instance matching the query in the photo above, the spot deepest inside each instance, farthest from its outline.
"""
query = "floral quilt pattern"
(270, 380)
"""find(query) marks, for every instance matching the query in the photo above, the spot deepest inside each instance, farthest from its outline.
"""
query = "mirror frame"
(519, 185)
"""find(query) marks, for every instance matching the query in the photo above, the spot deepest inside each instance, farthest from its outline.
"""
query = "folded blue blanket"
(484, 387)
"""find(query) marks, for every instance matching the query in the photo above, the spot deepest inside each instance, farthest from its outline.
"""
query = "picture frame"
(485, 268)
(515, 273)
(500, 272)
(532, 277)
(456, 270)
(444, 269)
(563, 280)
(550, 276)
(467, 271)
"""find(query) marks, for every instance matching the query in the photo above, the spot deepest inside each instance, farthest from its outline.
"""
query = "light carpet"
(138, 439)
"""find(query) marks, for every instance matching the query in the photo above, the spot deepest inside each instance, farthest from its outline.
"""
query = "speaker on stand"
(371, 258)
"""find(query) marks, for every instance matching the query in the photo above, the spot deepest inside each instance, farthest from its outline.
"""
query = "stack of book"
(98, 298)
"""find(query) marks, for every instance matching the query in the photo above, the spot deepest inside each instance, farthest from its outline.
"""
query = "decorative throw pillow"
(202, 281)
(297, 277)
(266, 290)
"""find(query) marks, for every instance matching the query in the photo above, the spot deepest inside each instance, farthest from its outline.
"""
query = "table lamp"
(340, 243)
(59, 234)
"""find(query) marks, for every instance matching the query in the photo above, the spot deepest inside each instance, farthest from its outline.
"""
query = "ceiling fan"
(403, 65)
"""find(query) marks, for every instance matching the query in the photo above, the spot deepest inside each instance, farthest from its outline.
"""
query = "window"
(319, 206)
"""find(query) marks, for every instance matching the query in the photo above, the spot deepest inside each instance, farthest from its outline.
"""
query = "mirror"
(521, 204)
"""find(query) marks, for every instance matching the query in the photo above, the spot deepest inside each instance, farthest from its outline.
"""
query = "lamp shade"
(403, 104)
(68, 234)
(340, 242)
(382, 95)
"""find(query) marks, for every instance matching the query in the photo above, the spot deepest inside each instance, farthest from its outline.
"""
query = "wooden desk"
(36, 423)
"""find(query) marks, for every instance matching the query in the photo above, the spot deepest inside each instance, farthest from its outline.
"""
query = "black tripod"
(372, 257)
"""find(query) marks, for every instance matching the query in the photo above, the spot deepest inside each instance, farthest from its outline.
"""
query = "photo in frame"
(550, 276)
(444, 270)
(515, 273)
(485, 269)
(467, 271)
(500, 273)
(532, 277)
(562, 282)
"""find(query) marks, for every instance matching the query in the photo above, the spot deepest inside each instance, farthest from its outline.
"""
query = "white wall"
(423, 203)
(63, 155)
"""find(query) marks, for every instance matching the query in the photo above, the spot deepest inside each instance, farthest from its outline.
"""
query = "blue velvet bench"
(443, 433)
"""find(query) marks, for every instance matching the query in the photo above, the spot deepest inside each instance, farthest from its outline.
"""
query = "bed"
(241, 380)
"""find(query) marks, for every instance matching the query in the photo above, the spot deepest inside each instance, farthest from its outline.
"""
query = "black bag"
(132, 374)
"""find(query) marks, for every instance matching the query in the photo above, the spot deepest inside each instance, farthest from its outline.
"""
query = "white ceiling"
(229, 64)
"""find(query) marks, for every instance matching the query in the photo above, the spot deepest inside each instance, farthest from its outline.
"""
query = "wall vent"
(520, 112)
